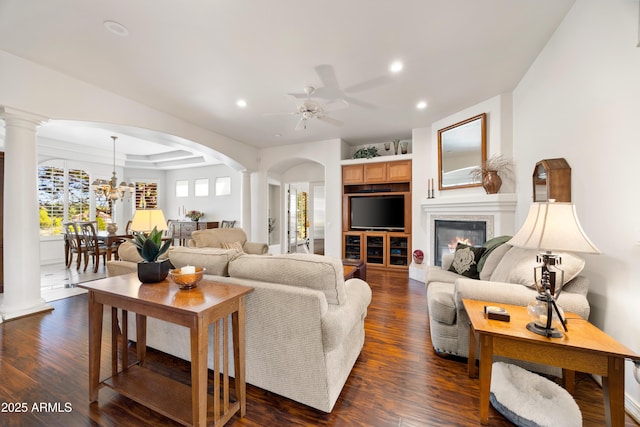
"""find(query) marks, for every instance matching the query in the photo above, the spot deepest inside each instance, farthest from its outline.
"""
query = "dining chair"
(116, 244)
(94, 246)
(73, 244)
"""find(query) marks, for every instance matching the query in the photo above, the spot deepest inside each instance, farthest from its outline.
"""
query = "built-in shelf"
(389, 158)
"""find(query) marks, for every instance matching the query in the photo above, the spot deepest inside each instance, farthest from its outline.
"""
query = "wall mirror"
(461, 148)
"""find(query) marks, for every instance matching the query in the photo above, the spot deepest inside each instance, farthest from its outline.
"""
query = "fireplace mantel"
(498, 210)
(471, 204)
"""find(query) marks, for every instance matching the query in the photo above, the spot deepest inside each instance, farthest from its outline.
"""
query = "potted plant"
(150, 247)
(366, 153)
(491, 172)
(194, 215)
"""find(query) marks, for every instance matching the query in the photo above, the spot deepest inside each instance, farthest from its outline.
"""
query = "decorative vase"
(491, 182)
(396, 143)
(418, 256)
(112, 227)
(153, 272)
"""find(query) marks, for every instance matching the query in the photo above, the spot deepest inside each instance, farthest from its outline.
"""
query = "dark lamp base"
(551, 333)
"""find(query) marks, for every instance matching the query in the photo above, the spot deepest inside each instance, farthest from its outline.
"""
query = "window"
(51, 197)
(146, 195)
(78, 195)
(201, 187)
(223, 186)
(182, 188)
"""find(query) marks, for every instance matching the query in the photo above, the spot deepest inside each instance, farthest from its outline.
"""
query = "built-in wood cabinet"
(352, 174)
(378, 248)
(377, 173)
(385, 249)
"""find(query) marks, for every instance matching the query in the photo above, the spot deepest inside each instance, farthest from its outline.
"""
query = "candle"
(188, 269)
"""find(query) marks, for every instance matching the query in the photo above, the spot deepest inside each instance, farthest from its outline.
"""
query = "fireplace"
(448, 233)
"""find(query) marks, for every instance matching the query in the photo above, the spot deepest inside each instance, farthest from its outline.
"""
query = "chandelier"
(110, 190)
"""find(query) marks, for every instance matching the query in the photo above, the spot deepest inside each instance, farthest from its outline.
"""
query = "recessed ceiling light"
(396, 66)
(116, 28)
(241, 103)
(421, 105)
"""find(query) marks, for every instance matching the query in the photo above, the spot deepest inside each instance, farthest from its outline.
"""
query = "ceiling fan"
(311, 109)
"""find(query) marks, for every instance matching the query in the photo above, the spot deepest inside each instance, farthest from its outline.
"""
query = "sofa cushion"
(304, 270)
(492, 261)
(214, 260)
(128, 252)
(465, 260)
(237, 246)
(517, 266)
(214, 237)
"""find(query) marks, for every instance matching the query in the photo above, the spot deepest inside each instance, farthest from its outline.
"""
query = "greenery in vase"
(366, 153)
(497, 163)
(150, 246)
(194, 215)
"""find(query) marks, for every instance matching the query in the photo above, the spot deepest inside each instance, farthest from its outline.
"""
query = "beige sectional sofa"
(304, 323)
(506, 278)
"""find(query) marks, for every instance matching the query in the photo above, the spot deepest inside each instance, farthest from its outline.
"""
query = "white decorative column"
(245, 205)
(21, 217)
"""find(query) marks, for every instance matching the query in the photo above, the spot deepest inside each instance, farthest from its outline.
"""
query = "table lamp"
(550, 226)
(144, 220)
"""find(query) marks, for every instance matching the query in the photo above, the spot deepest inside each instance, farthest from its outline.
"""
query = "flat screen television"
(377, 213)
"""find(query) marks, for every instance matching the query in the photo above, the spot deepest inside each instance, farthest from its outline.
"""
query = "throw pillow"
(465, 260)
(517, 267)
(492, 261)
(233, 245)
(489, 246)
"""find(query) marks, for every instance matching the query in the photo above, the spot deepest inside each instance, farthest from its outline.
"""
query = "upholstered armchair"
(226, 238)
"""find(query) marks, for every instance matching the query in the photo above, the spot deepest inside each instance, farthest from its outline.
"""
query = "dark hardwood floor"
(397, 381)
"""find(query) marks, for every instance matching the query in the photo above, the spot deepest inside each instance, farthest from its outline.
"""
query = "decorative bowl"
(186, 280)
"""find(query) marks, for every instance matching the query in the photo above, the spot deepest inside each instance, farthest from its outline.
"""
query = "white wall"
(581, 100)
(425, 158)
(36, 89)
(215, 208)
(275, 161)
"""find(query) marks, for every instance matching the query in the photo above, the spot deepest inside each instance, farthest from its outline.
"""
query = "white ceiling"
(194, 59)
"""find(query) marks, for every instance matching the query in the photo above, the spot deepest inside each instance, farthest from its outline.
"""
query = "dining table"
(112, 241)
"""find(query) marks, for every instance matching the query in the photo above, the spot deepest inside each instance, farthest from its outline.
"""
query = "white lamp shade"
(553, 226)
(145, 219)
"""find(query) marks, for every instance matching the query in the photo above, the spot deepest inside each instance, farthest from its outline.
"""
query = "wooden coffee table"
(584, 348)
(208, 303)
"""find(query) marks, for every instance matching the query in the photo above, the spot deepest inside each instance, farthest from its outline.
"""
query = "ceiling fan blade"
(360, 103)
(330, 120)
(296, 96)
(302, 124)
(280, 114)
(335, 104)
(369, 84)
(327, 75)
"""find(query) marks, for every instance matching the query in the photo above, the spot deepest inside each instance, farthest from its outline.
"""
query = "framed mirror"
(461, 148)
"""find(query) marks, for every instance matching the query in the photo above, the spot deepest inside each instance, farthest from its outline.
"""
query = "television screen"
(377, 213)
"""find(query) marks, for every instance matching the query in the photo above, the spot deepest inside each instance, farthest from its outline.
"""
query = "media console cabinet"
(377, 247)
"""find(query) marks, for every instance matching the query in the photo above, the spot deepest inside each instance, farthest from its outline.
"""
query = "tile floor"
(59, 282)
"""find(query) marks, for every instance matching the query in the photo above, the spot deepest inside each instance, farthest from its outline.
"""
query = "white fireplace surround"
(498, 210)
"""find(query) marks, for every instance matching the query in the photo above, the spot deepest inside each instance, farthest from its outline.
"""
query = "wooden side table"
(208, 303)
(584, 348)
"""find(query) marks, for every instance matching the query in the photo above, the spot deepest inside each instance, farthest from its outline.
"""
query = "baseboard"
(632, 407)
